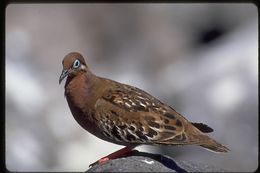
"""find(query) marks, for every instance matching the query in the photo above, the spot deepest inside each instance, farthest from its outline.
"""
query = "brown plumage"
(125, 115)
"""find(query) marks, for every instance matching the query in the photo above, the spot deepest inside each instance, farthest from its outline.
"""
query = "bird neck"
(82, 75)
(79, 94)
(78, 89)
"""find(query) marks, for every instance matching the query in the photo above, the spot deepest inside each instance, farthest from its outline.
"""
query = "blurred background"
(202, 59)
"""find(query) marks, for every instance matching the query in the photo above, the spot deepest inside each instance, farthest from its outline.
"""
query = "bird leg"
(122, 152)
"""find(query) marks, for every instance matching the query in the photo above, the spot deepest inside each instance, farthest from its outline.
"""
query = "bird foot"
(122, 152)
(100, 161)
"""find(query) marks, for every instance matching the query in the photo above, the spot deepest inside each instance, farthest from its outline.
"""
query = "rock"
(147, 162)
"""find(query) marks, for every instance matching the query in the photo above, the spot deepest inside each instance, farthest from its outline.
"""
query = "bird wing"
(203, 127)
(131, 115)
(131, 99)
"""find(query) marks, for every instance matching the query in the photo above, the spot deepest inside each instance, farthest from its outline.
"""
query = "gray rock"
(146, 162)
(131, 164)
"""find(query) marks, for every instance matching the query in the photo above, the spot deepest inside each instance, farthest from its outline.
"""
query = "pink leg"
(114, 155)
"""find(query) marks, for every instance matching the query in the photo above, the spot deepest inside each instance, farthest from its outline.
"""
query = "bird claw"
(92, 164)
(122, 152)
(100, 161)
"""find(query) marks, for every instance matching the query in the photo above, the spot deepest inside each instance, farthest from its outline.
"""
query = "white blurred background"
(199, 58)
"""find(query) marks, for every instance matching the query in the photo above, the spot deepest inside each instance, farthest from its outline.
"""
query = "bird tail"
(214, 146)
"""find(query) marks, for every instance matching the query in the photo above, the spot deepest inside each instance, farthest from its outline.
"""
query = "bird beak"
(64, 74)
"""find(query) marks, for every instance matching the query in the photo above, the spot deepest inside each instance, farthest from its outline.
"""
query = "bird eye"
(76, 63)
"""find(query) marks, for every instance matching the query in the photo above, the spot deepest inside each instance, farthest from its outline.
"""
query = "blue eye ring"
(76, 63)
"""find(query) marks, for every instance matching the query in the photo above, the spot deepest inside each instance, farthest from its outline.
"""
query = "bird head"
(73, 63)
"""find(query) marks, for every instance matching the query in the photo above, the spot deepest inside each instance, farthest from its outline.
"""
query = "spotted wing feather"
(203, 127)
(137, 117)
